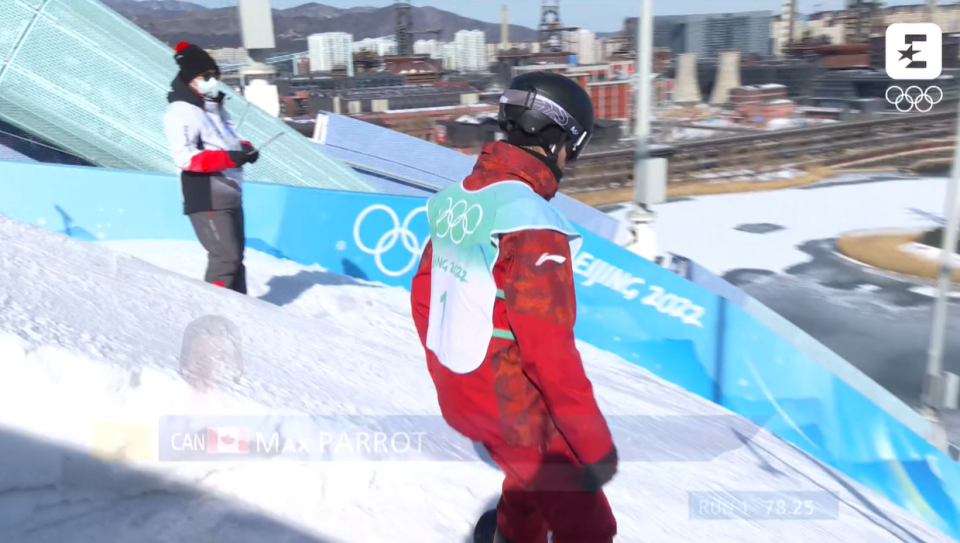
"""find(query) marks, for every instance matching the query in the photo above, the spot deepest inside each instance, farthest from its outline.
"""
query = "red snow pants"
(542, 492)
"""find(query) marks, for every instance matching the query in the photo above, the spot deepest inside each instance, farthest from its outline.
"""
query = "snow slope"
(88, 333)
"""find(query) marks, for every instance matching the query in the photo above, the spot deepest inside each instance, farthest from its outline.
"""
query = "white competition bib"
(465, 228)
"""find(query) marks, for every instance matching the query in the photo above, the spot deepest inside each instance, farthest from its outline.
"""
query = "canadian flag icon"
(228, 440)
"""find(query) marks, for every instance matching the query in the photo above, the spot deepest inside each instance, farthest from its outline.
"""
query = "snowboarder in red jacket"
(529, 402)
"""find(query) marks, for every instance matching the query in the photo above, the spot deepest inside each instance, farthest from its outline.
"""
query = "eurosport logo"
(914, 98)
(458, 220)
(398, 232)
(913, 51)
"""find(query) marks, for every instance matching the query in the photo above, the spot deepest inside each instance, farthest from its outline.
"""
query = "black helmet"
(551, 109)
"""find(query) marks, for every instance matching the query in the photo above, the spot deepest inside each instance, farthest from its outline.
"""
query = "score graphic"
(914, 51)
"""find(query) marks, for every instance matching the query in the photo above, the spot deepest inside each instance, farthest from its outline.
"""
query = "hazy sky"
(597, 15)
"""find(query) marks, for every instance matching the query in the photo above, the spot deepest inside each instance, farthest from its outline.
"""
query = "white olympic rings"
(389, 239)
(455, 220)
(912, 101)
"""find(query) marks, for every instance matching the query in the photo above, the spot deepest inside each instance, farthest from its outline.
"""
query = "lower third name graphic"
(243, 441)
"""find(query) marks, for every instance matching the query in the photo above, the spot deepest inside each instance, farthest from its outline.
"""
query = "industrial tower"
(551, 29)
(728, 77)
(688, 85)
(789, 17)
(504, 29)
(403, 30)
(864, 17)
(258, 78)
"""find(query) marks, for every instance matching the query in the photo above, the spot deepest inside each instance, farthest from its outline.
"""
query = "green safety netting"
(85, 79)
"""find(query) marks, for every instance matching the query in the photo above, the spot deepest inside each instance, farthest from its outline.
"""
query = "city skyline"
(596, 15)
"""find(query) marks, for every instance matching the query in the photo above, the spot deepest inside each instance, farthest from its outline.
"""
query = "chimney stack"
(505, 29)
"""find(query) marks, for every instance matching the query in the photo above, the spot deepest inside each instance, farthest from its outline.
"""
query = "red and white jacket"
(532, 391)
(200, 136)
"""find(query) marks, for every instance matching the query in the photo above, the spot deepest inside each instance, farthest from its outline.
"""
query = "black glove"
(239, 158)
(252, 154)
(596, 475)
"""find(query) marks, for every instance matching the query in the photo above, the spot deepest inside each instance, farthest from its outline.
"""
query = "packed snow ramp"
(627, 306)
(89, 327)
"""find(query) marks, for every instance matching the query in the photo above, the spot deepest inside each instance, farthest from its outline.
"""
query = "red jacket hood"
(501, 161)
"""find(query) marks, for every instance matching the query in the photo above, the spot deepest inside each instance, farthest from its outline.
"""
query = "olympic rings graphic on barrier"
(912, 101)
(389, 239)
(455, 220)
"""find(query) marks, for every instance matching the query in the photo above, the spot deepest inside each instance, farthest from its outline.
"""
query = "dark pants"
(221, 233)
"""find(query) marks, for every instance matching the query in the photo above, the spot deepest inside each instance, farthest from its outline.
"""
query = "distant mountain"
(156, 7)
(172, 21)
(374, 22)
(313, 9)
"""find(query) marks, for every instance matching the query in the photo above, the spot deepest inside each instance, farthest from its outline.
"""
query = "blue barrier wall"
(349, 140)
(627, 305)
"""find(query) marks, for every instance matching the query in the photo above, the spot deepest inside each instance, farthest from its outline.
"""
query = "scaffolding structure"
(404, 29)
(863, 19)
(551, 28)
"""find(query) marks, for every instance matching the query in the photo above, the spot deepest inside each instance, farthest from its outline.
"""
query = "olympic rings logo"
(456, 220)
(399, 232)
(921, 100)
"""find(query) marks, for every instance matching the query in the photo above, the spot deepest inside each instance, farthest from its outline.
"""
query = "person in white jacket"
(211, 157)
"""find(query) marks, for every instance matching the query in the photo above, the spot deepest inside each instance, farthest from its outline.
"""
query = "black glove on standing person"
(596, 475)
(252, 154)
(239, 158)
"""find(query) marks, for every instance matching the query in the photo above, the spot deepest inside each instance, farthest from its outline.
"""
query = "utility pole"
(649, 184)
(642, 89)
(940, 388)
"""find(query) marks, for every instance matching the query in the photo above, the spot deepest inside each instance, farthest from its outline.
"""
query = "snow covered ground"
(926, 252)
(751, 175)
(713, 127)
(90, 333)
(711, 229)
(782, 124)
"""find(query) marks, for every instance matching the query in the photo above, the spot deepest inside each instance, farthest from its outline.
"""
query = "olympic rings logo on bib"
(458, 220)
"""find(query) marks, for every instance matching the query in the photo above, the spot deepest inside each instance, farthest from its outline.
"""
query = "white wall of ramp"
(91, 334)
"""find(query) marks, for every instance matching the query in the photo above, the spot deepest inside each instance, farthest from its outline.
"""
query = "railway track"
(689, 161)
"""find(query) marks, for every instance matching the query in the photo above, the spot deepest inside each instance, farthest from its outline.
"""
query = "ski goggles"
(554, 112)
